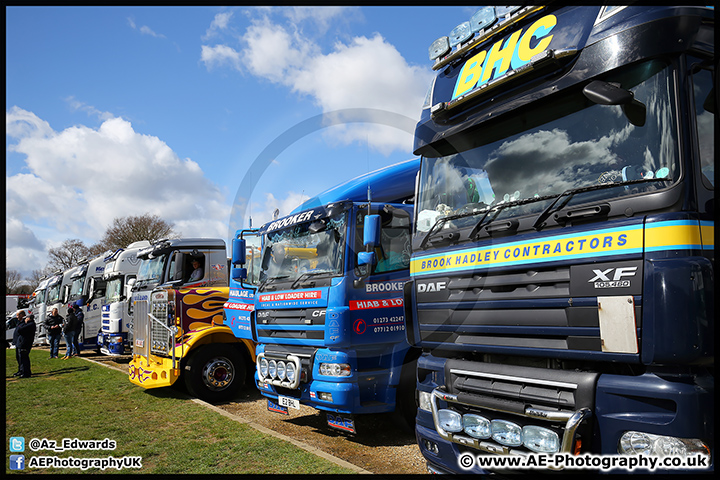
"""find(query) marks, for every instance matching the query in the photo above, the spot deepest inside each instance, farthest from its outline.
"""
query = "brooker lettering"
(292, 220)
(384, 287)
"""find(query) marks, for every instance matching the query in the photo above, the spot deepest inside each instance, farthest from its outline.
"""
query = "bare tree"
(12, 281)
(67, 254)
(36, 276)
(126, 230)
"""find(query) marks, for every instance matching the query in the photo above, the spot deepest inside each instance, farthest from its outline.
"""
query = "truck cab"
(120, 273)
(178, 327)
(563, 249)
(327, 315)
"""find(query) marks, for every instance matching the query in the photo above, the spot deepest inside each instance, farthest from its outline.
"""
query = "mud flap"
(274, 407)
(342, 422)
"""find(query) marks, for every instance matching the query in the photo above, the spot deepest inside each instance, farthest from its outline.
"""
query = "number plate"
(289, 402)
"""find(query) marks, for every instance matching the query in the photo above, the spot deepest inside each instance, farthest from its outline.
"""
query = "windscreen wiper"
(271, 280)
(540, 220)
(485, 212)
(308, 275)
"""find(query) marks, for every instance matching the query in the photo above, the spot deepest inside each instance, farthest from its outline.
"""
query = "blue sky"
(117, 111)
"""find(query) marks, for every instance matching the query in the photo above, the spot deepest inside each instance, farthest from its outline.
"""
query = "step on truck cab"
(562, 284)
(328, 316)
(178, 329)
(120, 274)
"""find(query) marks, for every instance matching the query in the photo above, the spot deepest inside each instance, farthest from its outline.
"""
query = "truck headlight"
(290, 371)
(476, 426)
(281, 370)
(272, 368)
(540, 440)
(450, 421)
(424, 401)
(263, 367)
(335, 369)
(636, 443)
(506, 433)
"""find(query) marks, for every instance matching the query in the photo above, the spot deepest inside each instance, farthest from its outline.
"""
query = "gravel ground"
(380, 446)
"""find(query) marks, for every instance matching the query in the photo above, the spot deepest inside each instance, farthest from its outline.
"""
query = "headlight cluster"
(535, 438)
(335, 369)
(641, 443)
(115, 340)
(277, 369)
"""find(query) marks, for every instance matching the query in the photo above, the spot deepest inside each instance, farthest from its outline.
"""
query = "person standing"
(79, 322)
(54, 324)
(69, 332)
(24, 338)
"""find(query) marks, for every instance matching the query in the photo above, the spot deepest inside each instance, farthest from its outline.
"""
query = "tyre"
(215, 373)
(406, 403)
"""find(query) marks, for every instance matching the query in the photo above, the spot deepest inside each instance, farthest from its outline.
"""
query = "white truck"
(87, 290)
(114, 336)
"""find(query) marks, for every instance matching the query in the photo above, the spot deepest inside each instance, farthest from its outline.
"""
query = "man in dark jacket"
(24, 338)
(79, 322)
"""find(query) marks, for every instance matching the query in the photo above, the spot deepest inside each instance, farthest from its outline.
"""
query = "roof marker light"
(460, 34)
(439, 47)
(482, 18)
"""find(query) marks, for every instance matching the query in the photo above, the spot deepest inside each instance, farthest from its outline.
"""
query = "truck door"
(244, 278)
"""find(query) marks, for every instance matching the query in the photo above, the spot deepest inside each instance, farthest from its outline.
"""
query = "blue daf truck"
(326, 293)
(562, 285)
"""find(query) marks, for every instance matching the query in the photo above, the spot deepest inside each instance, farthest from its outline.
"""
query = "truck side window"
(704, 94)
(394, 250)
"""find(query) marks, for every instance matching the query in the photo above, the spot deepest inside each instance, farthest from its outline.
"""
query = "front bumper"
(158, 372)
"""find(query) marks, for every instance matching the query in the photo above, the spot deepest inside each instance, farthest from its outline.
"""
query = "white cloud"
(144, 29)
(219, 23)
(263, 213)
(363, 72)
(219, 55)
(77, 180)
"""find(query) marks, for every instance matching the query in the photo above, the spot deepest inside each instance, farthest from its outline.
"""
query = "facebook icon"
(17, 462)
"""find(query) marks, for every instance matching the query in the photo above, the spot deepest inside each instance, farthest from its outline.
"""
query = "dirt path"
(380, 447)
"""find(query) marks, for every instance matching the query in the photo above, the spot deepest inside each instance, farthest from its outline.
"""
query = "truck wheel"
(214, 373)
(406, 403)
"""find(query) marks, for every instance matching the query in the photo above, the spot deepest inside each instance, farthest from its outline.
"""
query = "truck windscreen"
(558, 145)
(306, 249)
(151, 271)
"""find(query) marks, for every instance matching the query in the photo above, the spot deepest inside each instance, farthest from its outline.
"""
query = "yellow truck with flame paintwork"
(178, 327)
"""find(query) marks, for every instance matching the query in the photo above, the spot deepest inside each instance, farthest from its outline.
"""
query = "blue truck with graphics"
(327, 308)
(562, 274)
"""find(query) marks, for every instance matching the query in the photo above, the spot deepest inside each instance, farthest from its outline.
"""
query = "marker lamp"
(263, 367)
(450, 421)
(439, 47)
(335, 369)
(476, 426)
(272, 368)
(281, 370)
(505, 11)
(540, 440)
(506, 433)
(290, 371)
(637, 443)
(460, 34)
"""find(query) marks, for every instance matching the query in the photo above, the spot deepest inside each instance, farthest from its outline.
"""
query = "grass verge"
(75, 399)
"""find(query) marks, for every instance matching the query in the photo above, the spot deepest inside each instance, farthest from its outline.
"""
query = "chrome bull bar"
(572, 422)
